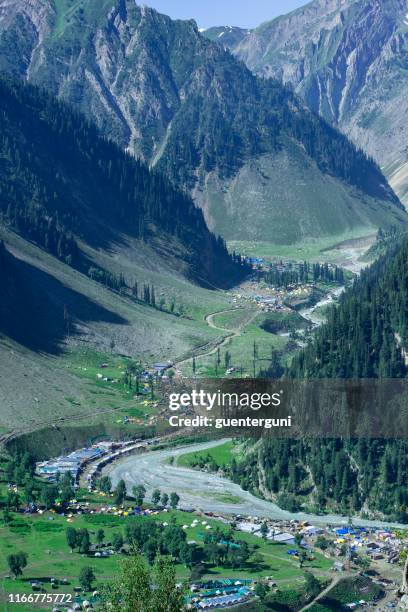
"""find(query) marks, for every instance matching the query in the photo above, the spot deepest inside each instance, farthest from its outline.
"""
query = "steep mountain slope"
(42, 326)
(228, 36)
(246, 149)
(51, 315)
(99, 252)
(60, 182)
(366, 337)
(367, 334)
(348, 59)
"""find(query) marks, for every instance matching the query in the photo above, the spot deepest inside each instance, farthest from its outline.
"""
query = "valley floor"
(99, 403)
(209, 492)
(216, 336)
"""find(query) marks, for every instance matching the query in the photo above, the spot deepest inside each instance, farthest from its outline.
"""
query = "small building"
(338, 566)
(283, 538)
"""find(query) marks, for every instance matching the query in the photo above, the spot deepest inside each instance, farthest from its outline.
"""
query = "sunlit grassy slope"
(35, 385)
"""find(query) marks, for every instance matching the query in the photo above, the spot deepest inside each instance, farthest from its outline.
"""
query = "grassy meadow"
(221, 455)
(43, 538)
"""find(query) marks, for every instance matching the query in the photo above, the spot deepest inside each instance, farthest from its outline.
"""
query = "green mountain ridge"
(365, 337)
(164, 92)
(61, 183)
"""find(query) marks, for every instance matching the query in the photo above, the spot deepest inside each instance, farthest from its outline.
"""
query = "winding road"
(228, 334)
(64, 420)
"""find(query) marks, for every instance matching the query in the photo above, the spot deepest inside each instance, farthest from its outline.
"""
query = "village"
(336, 551)
(283, 299)
(350, 549)
(99, 455)
(286, 285)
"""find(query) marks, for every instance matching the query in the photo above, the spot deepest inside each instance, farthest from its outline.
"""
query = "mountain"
(245, 148)
(365, 337)
(61, 183)
(42, 326)
(227, 36)
(98, 255)
(348, 59)
(56, 320)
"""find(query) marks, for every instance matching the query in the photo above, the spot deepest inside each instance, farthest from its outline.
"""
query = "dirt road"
(225, 339)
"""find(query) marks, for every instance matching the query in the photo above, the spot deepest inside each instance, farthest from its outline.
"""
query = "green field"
(241, 350)
(221, 455)
(233, 319)
(312, 250)
(90, 403)
(43, 539)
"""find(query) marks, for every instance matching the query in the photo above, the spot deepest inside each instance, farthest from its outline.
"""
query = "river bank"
(209, 492)
(329, 299)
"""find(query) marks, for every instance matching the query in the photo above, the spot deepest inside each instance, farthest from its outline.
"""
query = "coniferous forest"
(60, 182)
(364, 334)
(363, 338)
(225, 129)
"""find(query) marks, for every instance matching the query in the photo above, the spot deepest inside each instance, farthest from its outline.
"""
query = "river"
(350, 252)
(208, 492)
(204, 491)
(308, 313)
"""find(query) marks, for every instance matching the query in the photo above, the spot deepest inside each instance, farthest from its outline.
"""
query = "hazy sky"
(243, 13)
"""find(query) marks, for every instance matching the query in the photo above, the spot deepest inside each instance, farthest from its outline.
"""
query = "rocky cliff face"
(24, 27)
(349, 60)
(247, 149)
(125, 66)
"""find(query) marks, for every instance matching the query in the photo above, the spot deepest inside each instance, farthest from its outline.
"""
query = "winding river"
(208, 492)
(309, 313)
(205, 491)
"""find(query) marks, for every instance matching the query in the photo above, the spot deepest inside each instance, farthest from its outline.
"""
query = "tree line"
(365, 337)
(302, 273)
(247, 116)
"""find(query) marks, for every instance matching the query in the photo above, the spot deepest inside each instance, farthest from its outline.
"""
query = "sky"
(207, 13)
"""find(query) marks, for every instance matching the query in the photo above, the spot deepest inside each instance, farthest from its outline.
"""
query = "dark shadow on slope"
(60, 181)
(38, 311)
